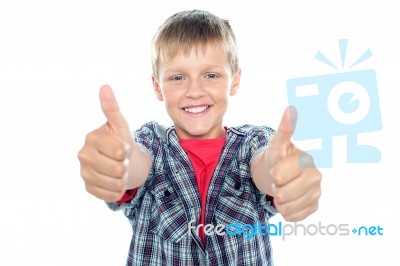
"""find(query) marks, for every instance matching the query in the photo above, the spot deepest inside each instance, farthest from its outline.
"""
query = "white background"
(55, 55)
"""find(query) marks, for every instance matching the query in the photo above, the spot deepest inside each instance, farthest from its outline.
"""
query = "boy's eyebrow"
(180, 69)
(213, 66)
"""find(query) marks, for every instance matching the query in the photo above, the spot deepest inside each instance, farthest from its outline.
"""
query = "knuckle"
(119, 187)
(316, 190)
(89, 188)
(120, 149)
(318, 176)
(314, 194)
(86, 176)
(90, 137)
(283, 211)
(119, 170)
(277, 180)
(82, 157)
(314, 177)
(114, 196)
(80, 154)
(279, 197)
(83, 174)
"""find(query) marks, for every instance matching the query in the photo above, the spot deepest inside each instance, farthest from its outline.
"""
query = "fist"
(104, 155)
(296, 182)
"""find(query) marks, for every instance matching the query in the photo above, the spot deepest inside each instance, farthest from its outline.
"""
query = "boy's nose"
(194, 89)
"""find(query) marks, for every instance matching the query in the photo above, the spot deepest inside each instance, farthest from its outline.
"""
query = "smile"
(197, 109)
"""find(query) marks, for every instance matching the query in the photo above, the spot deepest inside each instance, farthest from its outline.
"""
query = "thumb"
(115, 119)
(281, 138)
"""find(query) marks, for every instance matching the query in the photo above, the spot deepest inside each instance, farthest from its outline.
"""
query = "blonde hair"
(190, 29)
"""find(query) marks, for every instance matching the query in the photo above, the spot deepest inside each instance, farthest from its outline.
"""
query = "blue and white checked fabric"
(168, 200)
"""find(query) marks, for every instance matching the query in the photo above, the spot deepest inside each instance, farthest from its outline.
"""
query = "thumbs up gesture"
(288, 173)
(116, 122)
(107, 155)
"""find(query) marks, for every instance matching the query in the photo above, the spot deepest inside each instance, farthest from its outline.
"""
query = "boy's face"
(196, 89)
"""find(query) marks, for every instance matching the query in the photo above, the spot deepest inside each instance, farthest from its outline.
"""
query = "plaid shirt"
(169, 199)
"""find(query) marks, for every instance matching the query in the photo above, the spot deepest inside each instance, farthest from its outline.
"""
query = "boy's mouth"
(197, 109)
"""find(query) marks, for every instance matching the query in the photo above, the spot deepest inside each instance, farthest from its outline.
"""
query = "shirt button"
(237, 185)
(167, 193)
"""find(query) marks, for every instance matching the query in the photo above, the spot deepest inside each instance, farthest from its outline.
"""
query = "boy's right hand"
(104, 158)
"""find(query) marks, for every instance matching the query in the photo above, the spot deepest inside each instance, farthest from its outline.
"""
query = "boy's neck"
(207, 136)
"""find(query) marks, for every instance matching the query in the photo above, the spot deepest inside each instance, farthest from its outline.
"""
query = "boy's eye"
(177, 78)
(211, 75)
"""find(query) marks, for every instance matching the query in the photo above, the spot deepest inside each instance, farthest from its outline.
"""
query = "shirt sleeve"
(259, 140)
(258, 143)
(144, 137)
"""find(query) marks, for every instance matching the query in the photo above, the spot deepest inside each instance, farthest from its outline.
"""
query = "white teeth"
(196, 109)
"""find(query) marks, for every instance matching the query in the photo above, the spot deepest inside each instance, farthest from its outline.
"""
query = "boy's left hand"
(296, 183)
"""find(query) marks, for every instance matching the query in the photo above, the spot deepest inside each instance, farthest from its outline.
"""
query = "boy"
(177, 184)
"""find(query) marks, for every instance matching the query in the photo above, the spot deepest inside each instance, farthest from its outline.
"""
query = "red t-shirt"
(129, 194)
(204, 155)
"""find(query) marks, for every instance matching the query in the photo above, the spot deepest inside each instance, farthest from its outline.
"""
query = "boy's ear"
(157, 89)
(235, 83)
